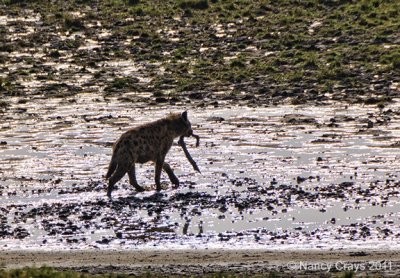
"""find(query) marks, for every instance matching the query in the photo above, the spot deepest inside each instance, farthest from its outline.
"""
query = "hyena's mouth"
(189, 132)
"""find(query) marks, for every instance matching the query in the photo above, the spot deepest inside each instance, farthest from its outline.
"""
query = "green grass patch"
(72, 23)
(43, 272)
(120, 83)
(194, 4)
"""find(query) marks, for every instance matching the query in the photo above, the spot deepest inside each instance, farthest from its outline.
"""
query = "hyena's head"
(180, 124)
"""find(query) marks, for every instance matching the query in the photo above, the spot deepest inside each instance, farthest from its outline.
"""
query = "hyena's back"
(139, 145)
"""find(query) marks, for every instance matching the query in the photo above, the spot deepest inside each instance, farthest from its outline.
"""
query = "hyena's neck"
(168, 128)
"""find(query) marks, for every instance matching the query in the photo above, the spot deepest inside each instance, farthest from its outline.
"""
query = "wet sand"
(193, 262)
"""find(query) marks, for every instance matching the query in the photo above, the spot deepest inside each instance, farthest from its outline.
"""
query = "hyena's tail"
(113, 165)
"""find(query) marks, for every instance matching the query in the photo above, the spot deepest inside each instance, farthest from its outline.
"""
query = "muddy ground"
(180, 263)
(299, 138)
(338, 189)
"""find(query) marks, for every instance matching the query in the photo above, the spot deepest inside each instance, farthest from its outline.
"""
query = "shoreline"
(195, 262)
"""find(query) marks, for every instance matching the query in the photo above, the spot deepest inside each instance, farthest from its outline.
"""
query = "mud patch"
(327, 179)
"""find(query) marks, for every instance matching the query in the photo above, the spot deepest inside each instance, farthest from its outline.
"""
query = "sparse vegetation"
(194, 4)
(314, 44)
(72, 22)
(122, 83)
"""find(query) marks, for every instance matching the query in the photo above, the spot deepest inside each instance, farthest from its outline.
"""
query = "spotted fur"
(148, 142)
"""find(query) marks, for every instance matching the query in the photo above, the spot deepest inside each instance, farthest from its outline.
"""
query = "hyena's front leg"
(159, 166)
(171, 174)
(132, 179)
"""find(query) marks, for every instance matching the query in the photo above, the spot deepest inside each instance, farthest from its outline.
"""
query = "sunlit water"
(53, 147)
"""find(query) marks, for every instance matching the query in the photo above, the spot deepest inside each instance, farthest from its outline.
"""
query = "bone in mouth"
(182, 143)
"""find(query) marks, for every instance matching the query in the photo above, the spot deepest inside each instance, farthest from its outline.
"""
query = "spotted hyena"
(148, 142)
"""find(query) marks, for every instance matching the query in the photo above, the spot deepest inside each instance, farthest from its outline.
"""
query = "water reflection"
(301, 182)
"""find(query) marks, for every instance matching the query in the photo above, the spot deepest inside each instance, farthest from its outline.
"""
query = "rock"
(215, 119)
(298, 119)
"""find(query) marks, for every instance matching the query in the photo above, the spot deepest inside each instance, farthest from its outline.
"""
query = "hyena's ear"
(184, 116)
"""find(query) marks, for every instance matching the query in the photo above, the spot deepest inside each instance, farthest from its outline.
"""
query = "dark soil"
(201, 52)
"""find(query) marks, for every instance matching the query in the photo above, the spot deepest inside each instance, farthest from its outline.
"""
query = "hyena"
(148, 142)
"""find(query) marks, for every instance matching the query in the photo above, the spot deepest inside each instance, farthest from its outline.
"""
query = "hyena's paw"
(139, 189)
(175, 182)
(164, 186)
(176, 185)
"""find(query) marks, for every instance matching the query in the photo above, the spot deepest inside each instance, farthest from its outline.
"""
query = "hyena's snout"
(189, 132)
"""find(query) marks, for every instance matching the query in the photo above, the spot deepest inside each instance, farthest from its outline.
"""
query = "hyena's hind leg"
(111, 167)
(171, 174)
(132, 179)
(118, 174)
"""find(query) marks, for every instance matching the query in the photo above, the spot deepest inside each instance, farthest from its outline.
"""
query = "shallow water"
(277, 177)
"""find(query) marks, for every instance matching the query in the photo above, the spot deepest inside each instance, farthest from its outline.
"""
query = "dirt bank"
(189, 262)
